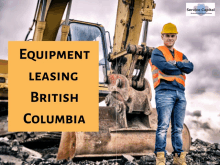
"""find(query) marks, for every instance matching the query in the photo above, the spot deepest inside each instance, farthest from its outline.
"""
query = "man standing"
(168, 69)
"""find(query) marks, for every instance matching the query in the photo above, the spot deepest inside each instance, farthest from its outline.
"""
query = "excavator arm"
(130, 15)
(127, 55)
(48, 17)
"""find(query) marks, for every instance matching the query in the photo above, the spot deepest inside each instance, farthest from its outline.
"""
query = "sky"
(198, 39)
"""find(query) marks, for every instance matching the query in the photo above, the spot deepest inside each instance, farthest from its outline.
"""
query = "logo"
(200, 9)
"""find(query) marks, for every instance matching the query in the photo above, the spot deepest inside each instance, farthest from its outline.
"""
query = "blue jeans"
(170, 104)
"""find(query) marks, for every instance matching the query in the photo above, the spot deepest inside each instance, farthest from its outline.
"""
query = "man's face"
(169, 39)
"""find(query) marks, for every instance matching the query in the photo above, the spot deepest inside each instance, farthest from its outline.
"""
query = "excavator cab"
(86, 31)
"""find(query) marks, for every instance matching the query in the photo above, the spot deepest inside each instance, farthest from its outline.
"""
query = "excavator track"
(23, 137)
(26, 137)
(43, 137)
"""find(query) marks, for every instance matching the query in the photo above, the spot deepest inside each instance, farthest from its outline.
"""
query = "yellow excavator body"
(3, 83)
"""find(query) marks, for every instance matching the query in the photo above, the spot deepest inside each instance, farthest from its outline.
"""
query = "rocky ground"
(11, 153)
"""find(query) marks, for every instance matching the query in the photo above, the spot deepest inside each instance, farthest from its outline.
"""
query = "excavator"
(127, 124)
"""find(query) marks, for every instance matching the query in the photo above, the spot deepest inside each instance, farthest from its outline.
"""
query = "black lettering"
(48, 98)
(58, 76)
(28, 55)
(45, 54)
(30, 76)
(42, 119)
(61, 119)
(76, 78)
(65, 75)
(37, 76)
(69, 119)
(70, 54)
(81, 119)
(66, 97)
(76, 97)
(75, 119)
(54, 97)
(52, 53)
(52, 117)
(53, 76)
(39, 56)
(60, 97)
(34, 97)
(43, 97)
(37, 117)
(21, 54)
(63, 55)
(45, 76)
(79, 55)
(86, 53)
(25, 118)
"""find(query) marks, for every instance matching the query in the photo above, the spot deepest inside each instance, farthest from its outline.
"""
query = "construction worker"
(168, 67)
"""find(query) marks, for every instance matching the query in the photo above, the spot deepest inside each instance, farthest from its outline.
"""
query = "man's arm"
(185, 66)
(160, 62)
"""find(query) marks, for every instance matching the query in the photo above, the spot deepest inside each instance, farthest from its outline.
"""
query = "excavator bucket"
(112, 140)
(67, 145)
